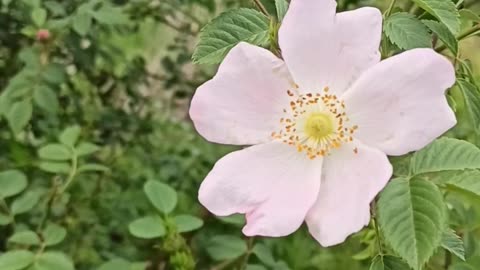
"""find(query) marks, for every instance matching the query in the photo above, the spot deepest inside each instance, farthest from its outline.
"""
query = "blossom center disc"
(315, 123)
(318, 125)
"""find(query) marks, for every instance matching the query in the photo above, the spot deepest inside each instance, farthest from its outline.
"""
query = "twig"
(261, 7)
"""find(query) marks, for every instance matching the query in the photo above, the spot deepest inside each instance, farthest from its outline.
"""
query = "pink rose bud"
(43, 35)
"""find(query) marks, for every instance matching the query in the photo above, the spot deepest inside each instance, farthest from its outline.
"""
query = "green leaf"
(412, 216)
(388, 262)
(53, 234)
(55, 151)
(39, 16)
(264, 254)
(469, 15)
(45, 98)
(282, 7)
(227, 30)
(82, 22)
(187, 223)
(53, 260)
(91, 167)
(16, 260)
(446, 154)
(55, 74)
(110, 16)
(226, 247)
(444, 10)
(26, 202)
(407, 32)
(466, 180)
(4, 219)
(453, 243)
(471, 96)
(147, 227)
(19, 115)
(86, 148)
(255, 267)
(443, 34)
(116, 264)
(25, 238)
(162, 196)
(12, 183)
(55, 167)
(236, 219)
(70, 135)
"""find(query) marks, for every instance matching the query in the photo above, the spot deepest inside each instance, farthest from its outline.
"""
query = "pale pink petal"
(399, 105)
(323, 49)
(243, 103)
(271, 183)
(349, 183)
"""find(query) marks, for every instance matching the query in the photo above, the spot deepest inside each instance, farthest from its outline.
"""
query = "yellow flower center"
(315, 123)
(318, 126)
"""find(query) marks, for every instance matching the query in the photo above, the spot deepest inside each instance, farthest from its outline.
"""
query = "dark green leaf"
(264, 254)
(387, 262)
(227, 30)
(82, 23)
(26, 202)
(471, 96)
(53, 234)
(443, 34)
(412, 216)
(19, 115)
(453, 243)
(282, 7)
(12, 182)
(444, 10)
(407, 32)
(45, 98)
(226, 247)
(53, 260)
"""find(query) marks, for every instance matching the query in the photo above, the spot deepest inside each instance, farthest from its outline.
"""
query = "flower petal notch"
(319, 122)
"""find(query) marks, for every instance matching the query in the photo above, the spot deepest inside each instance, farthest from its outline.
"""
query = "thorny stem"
(261, 7)
(462, 36)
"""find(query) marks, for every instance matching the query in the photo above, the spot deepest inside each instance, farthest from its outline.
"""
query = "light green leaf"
(187, 223)
(26, 202)
(255, 267)
(264, 254)
(39, 16)
(82, 22)
(55, 167)
(388, 262)
(110, 16)
(16, 260)
(45, 98)
(236, 219)
(412, 216)
(282, 7)
(91, 167)
(55, 151)
(147, 227)
(443, 34)
(162, 196)
(53, 234)
(453, 243)
(471, 96)
(446, 154)
(12, 182)
(227, 30)
(469, 15)
(69, 136)
(53, 260)
(407, 32)
(467, 180)
(226, 247)
(116, 264)
(4, 219)
(25, 238)
(19, 115)
(86, 148)
(444, 10)
(55, 74)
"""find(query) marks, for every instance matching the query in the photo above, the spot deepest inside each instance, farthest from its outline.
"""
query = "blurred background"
(112, 80)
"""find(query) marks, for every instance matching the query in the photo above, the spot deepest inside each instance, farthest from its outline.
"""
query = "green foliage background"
(100, 165)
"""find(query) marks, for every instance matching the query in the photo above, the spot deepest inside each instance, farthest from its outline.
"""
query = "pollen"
(315, 123)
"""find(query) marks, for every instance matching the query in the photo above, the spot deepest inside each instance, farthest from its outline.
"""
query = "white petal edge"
(323, 49)
(349, 183)
(243, 103)
(272, 184)
(400, 104)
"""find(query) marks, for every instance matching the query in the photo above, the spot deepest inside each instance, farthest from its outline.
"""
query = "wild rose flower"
(322, 122)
